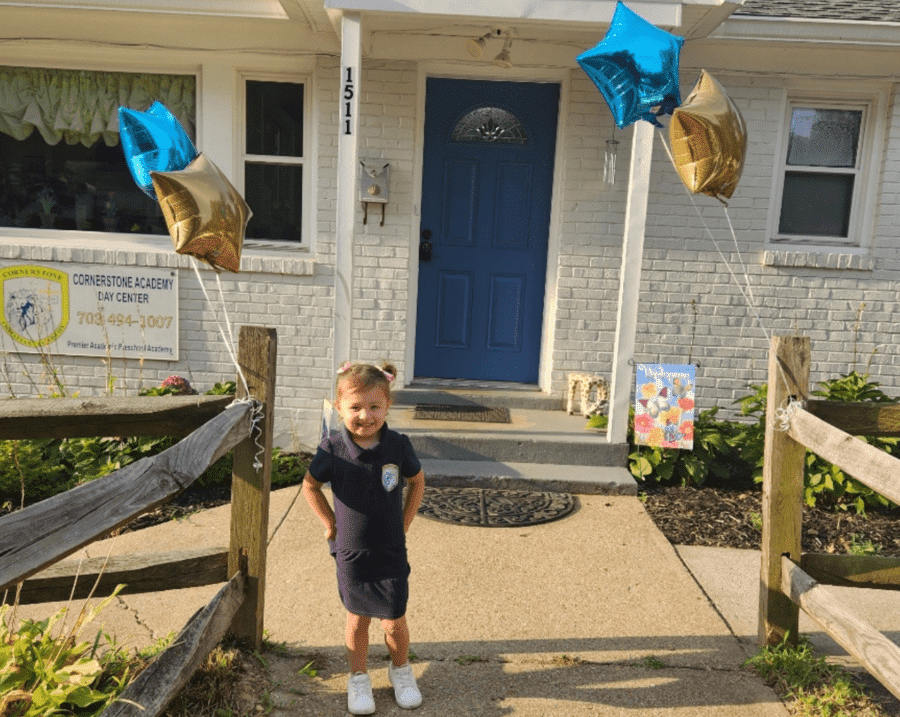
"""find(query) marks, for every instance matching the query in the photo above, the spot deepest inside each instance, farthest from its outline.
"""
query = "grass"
(809, 685)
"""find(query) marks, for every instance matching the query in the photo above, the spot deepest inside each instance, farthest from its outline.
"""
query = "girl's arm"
(413, 499)
(312, 491)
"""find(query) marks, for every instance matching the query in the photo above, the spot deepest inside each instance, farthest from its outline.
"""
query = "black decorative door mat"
(449, 412)
(495, 507)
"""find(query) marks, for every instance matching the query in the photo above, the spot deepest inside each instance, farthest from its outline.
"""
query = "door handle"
(425, 246)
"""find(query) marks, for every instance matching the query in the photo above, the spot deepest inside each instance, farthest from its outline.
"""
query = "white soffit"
(222, 8)
(666, 14)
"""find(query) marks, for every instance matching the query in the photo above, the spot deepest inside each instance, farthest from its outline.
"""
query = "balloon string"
(257, 409)
(229, 345)
(749, 298)
(255, 403)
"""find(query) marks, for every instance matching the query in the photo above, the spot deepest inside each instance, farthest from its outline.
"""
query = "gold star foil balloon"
(205, 214)
(709, 140)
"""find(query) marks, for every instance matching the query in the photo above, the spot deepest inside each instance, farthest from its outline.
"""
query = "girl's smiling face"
(363, 411)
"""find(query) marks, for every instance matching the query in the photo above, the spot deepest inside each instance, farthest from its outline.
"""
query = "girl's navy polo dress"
(370, 545)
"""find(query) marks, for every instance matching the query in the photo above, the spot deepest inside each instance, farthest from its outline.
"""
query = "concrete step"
(533, 436)
(461, 393)
(584, 480)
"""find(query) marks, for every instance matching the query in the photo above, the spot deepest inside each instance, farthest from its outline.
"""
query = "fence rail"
(789, 579)
(35, 538)
(108, 416)
(41, 534)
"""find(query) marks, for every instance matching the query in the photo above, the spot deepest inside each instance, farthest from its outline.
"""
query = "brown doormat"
(442, 412)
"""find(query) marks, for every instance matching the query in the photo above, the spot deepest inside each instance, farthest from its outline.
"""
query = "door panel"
(513, 206)
(506, 310)
(486, 192)
(459, 199)
(454, 310)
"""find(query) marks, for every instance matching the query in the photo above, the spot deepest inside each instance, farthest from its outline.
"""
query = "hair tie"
(346, 366)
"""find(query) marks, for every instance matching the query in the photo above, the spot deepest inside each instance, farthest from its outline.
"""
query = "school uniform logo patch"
(390, 477)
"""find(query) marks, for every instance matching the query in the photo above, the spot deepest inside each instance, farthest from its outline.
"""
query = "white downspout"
(347, 173)
(630, 281)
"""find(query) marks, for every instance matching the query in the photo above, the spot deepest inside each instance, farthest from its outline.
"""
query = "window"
(823, 176)
(273, 160)
(61, 164)
(489, 124)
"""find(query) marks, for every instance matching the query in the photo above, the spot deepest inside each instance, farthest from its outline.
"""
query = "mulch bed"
(722, 517)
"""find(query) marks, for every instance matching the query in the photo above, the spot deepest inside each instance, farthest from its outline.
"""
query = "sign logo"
(390, 477)
(35, 303)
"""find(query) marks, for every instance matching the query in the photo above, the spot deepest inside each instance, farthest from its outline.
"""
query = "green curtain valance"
(82, 107)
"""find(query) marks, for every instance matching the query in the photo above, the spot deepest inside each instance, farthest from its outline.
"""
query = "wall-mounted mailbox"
(374, 184)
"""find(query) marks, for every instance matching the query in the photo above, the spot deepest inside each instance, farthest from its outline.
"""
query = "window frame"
(306, 161)
(869, 161)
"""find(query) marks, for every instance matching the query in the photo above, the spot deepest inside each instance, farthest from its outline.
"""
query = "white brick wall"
(383, 254)
(690, 307)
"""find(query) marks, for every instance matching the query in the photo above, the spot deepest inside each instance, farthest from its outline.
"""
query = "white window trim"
(872, 100)
(307, 243)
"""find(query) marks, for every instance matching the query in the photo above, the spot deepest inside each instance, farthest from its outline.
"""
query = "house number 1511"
(348, 105)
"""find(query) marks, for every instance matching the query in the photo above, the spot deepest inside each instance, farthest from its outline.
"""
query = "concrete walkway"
(594, 614)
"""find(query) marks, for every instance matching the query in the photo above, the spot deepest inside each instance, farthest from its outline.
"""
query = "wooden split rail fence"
(34, 539)
(789, 579)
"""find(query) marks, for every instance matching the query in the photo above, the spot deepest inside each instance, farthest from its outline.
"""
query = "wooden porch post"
(250, 487)
(782, 500)
(630, 280)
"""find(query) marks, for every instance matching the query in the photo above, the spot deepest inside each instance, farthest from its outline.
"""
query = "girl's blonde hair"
(365, 376)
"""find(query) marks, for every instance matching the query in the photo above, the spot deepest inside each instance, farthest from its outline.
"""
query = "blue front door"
(486, 189)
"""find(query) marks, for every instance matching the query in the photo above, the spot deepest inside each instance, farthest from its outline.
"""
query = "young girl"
(367, 465)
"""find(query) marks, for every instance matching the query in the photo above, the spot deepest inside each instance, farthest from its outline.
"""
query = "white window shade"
(81, 107)
(824, 137)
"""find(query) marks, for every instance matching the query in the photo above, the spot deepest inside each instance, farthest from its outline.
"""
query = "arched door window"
(489, 124)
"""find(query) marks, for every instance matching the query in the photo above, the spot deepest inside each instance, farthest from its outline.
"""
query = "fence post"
(782, 499)
(249, 486)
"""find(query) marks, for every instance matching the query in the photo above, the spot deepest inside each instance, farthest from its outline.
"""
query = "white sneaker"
(405, 690)
(359, 694)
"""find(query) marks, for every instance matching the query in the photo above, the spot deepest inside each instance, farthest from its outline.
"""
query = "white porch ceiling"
(222, 8)
(549, 33)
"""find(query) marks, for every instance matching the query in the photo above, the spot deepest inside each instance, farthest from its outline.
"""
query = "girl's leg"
(357, 641)
(396, 637)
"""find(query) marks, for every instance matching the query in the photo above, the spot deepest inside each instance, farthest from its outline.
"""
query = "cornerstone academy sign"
(89, 310)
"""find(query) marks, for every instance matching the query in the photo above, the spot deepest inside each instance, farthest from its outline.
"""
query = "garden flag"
(664, 406)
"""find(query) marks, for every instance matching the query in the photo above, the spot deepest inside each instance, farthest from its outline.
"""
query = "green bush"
(32, 468)
(715, 454)
(729, 450)
(824, 484)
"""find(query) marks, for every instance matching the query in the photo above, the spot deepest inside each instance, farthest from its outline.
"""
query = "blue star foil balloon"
(635, 67)
(153, 141)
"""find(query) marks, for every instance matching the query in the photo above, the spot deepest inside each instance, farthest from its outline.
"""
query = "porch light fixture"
(503, 59)
(476, 46)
